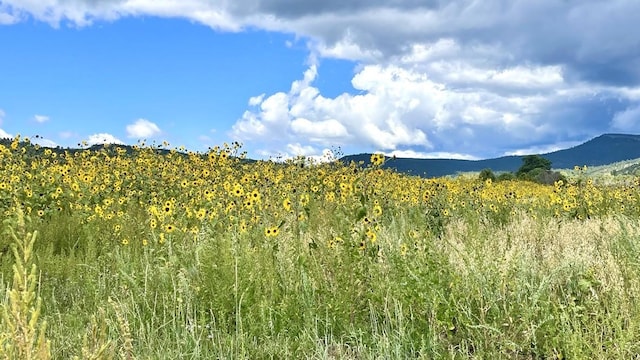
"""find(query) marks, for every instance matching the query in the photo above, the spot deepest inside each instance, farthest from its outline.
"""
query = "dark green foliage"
(487, 174)
(506, 176)
(538, 169)
(549, 177)
(532, 162)
(542, 176)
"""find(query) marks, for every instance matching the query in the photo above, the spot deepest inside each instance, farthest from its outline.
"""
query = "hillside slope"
(602, 150)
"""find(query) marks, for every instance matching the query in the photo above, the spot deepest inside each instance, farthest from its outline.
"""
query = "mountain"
(602, 150)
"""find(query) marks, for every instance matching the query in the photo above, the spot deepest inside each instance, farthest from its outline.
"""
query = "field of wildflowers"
(149, 253)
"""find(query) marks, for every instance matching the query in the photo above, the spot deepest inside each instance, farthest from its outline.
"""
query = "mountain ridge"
(601, 150)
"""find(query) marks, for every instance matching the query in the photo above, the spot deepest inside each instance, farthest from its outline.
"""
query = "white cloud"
(395, 108)
(429, 155)
(5, 135)
(102, 138)
(83, 13)
(8, 19)
(486, 76)
(422, 52)
(142, 128)
(627, 120)
(529, 77)
(7, 16)
(373, 117)
(296, 150)
(275, 108)
(323, 156)
(256, 100)
(348, 49)
(543, 149)
(45, 142)
(301, 150)
(41, 118)
(331, 128)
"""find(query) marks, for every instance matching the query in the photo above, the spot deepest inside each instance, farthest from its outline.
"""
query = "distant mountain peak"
(615, 136)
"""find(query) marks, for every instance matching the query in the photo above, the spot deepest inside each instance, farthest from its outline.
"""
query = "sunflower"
(377, 210)
(377, 159)
(271, 231)
(286, 203)
(237, 190)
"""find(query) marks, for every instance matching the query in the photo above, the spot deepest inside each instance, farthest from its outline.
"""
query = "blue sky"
(458, 79)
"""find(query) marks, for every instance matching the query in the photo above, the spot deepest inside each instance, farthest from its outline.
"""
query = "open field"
(187, 256)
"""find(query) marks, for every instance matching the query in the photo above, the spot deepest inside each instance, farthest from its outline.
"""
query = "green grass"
(528, 289)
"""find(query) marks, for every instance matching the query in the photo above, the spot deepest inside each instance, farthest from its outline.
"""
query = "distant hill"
(602, 150)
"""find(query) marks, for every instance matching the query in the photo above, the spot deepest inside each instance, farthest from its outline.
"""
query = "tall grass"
(530, 288)
(22, 333)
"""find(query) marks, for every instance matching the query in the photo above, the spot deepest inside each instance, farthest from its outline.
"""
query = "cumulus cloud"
(102, 138)
(256, 100)
(412, 154)
(331, 128)
(44, 142)
(301, 150)
(627, 120)
(403, 112)
(142, 128)
(303, 113)
(41, 118)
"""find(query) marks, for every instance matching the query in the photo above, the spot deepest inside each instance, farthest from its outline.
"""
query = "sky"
(466, 79)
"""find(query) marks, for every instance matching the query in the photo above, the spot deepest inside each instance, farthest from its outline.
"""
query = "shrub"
(549, 177)
(506, 176)
(532, 162)
(487, 174)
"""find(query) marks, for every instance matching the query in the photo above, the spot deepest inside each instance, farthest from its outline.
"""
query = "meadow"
(146, 254)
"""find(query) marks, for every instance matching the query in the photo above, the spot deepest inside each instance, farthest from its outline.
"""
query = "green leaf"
(362, 212)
